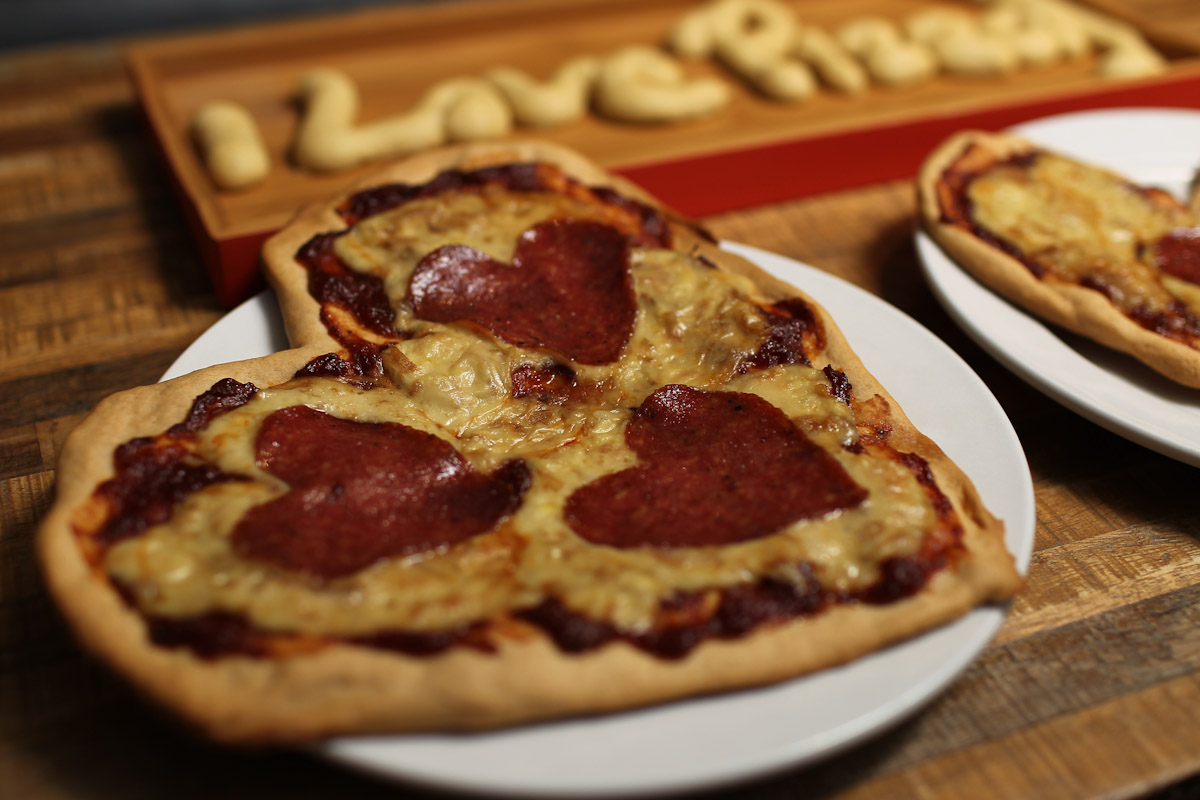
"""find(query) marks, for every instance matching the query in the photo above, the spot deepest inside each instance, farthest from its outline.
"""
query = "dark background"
(26, 23)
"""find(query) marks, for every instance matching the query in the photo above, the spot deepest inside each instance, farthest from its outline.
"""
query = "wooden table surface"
(1090, 689)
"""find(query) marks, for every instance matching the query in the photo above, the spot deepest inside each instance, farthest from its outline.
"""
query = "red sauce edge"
(793, 331)
(740, 610)
(153, 474)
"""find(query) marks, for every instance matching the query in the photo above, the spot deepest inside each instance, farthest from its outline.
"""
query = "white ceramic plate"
(1159, 147)
(718, 740)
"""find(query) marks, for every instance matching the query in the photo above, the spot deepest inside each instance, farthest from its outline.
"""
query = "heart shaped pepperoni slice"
(567, 289)
(716, 468)
(364, 491)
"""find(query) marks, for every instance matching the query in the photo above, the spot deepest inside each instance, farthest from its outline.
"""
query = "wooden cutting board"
(754, 151)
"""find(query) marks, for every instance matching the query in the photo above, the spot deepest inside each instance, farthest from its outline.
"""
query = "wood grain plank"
(63, 763)
(78, 112)
(54, 348)
(133, 244)
(44, 304)
(1069, 756)
(1103, 573)
(29, 399)
(1057, 673)
(96, 254)
(61, 180)
(104, 318)
(20, 451)
(40, 72)
(51, 433)
(23, 501)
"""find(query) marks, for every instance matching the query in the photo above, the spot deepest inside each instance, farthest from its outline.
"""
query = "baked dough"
(231, 145)
(320, 682)
(1080, 224)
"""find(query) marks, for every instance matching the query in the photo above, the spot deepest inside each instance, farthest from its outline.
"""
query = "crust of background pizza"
(1078, 309)
(344, 688)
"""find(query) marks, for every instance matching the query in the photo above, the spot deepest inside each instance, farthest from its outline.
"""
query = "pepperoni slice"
(1178, 253)
(361, 492)
(567, 289)
(715, 468)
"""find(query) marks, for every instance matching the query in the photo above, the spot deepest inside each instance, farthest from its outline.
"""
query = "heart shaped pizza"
(540, 448)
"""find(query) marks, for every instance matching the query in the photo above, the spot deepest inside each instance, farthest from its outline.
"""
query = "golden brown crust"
(1078, 309)
(348, 689)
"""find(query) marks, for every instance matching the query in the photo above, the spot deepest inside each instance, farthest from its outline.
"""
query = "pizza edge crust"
(1079, 310)
(346, 689)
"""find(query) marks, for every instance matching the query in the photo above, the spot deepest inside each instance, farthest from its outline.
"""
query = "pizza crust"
(343, 689)
(1080, 310)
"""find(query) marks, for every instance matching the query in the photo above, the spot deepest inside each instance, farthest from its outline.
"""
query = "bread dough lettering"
(330, 138)
(753, 38)
(763, 42)
(644, 84)
(230, 145)
(558, 101)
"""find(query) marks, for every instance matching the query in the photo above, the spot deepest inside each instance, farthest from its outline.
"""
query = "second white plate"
(1159, 147)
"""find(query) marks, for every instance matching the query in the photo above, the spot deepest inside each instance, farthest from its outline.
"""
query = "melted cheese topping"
(1080, 223)
(693, 323)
